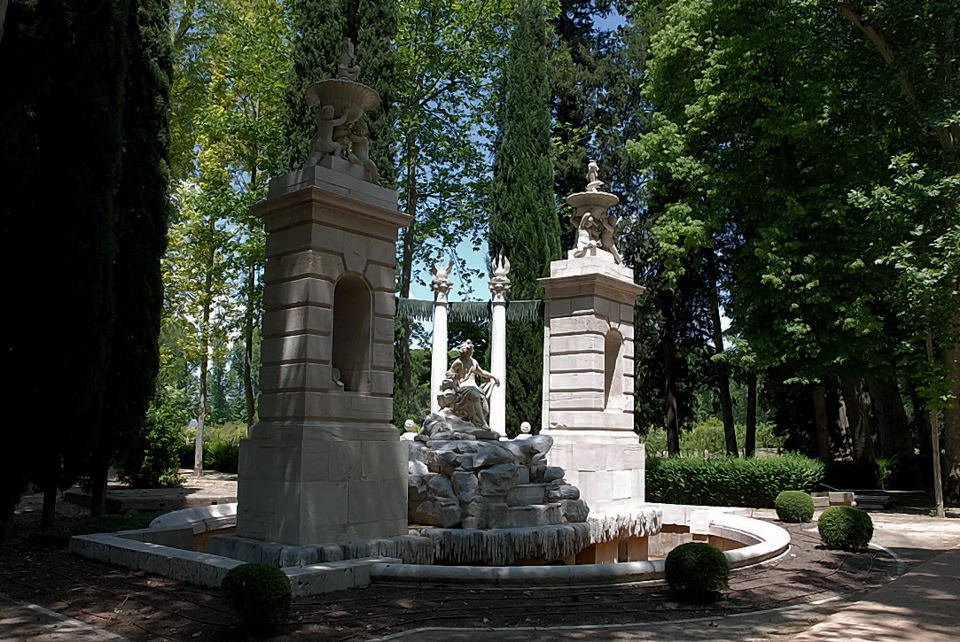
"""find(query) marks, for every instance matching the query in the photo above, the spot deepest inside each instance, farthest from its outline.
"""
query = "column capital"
(441, 283)
(500, 282)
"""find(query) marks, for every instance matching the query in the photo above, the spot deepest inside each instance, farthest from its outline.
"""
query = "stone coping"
(155, 550)
(764, 541)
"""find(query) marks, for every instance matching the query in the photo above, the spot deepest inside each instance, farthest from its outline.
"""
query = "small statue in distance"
(607, 241)
(593, 179)
(348, 68)
(588, 234)
(472, 403)
(360, 151)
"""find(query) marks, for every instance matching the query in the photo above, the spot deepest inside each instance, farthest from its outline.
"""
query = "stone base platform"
(606, 465)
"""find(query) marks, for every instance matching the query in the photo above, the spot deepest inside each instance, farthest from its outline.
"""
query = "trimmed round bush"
(261, 594)
(794, 506)
(845, 528)
(697, 571)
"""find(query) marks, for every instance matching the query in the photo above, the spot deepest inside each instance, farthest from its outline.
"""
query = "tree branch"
(885, 50)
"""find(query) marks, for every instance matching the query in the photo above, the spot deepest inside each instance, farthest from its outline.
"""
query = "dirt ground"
(144, 607)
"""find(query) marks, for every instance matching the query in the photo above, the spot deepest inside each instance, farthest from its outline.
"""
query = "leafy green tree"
(236, 64)
(524, 225)
(446, 54)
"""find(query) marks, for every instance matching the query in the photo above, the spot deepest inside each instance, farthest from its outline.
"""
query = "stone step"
(526, 494)
(534, 515)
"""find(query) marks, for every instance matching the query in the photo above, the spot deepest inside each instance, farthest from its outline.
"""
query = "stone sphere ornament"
(409, 425)
(525, 427)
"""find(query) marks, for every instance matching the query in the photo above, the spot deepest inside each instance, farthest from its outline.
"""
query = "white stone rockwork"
(487, 484)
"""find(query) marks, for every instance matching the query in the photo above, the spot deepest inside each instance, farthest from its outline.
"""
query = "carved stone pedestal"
(588, 379)
(325, 464)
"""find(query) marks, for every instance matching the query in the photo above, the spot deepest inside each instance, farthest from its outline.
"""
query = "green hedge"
(729, 481)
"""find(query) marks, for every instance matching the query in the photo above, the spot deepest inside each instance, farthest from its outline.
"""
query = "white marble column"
(499, 286)
(441, 286)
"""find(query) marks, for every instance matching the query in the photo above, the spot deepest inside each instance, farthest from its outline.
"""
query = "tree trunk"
(820, 419)
(671, 410)
(671, 407)
(406, 263)
(248, 394)
(935, 440)
(48, 514)
(859, 427)
(951, 428)
(750, 433)
(204, 367)
(893, 428)
(3, 18)
(723, 380)
(98, 489)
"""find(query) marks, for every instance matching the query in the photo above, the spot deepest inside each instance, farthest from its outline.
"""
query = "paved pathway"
(24, 621)
(921, 605)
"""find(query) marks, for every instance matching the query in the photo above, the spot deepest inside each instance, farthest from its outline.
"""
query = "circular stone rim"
(362, 95)
(765, 542)
(593, 199)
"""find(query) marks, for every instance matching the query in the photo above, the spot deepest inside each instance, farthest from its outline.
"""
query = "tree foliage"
(524, 225)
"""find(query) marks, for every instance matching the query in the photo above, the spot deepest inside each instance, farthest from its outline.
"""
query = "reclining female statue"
(471, 403)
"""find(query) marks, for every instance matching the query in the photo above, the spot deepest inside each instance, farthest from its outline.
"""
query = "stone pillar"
(324, 463)
(588, 356)
(499, 286)
(440, 285)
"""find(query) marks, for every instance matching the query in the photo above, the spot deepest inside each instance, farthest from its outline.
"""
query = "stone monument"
(463, 475)
(325, 464)
(588, 359)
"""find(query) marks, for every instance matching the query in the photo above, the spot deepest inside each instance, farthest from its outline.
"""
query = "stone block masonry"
(325, 464)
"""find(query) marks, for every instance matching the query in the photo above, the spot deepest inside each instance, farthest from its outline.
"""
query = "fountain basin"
(166, 549)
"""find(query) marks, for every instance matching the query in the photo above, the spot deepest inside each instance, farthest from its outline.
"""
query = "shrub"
(794, 506)
(729, 481)
(151, 459)
(845, 528)
(697, 571)
(260, 594)
(708, 435)
(222, 456)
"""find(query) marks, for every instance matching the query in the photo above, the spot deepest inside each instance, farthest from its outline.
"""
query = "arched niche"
(613, 371)
(352, 327)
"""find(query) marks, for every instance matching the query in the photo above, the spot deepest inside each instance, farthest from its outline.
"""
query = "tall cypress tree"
(141, 232)
(320, 28)
(373, 27)
(318, 31)
(524, 224)
(68, 95)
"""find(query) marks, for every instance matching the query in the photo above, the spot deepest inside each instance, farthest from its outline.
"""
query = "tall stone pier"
(588, 361)
(325, 464)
